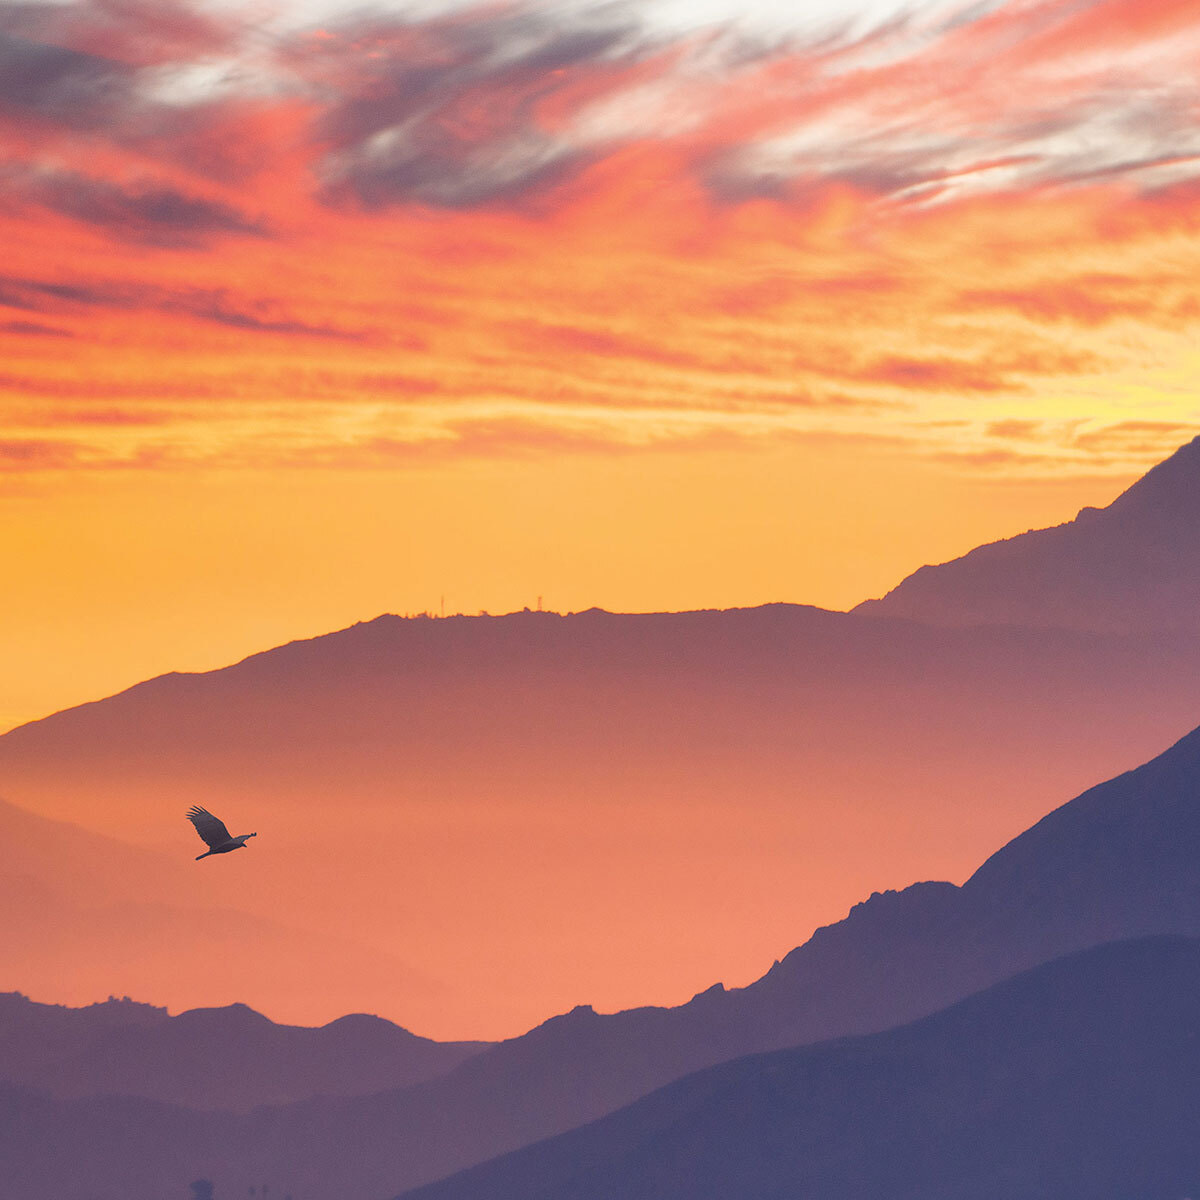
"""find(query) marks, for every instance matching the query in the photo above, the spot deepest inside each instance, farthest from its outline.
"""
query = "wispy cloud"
(1137, 438)
(464, 110)
(217, 305)
(33, 329)
(550, 217)
(148, 212)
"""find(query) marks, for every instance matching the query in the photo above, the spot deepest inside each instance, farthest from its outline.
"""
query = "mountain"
(1120, 861)
(650, 800)
(1131, 567)
(131, 921)
(222, 1058)
(1078, 1080)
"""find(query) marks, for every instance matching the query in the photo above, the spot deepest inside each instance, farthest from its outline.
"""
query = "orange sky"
(301, 323)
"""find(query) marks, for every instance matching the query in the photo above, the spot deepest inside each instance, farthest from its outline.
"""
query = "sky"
(310, 312)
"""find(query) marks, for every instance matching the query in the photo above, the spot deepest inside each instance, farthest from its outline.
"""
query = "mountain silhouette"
(1078, 1080)
(1131, 567)
(1122, 860)
(223, 1058)
(745, 776)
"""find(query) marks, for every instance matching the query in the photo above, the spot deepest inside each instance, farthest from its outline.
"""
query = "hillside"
(1131, 567)
(1079, 1080)
(654, 801)
(1119, 861)
(224, 1058)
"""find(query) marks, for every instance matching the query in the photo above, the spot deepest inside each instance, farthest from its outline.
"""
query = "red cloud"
(137, 33)
(506, 209)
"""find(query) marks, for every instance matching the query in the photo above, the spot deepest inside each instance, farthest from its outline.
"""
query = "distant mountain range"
(675, 795)
(1121, 860)
(227, 1058)
(1079, 1080)
(645, 799)
(1128, 568)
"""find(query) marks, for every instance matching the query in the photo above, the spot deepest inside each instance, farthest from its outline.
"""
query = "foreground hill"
(1079, 1080)
(650, 800)
(227, 1058)
(1131, 567)
(1122, 860)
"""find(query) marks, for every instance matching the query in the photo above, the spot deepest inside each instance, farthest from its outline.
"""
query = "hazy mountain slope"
(1079, 1080)
(229, 1058)
(131, 921)
(651, 800)
(1131, 567)
(1119, 860)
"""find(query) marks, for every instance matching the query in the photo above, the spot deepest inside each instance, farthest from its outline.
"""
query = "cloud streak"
(149, 212)
(561, 219)
(215, 305)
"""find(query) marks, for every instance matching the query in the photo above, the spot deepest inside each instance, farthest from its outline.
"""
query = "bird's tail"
(204, 855)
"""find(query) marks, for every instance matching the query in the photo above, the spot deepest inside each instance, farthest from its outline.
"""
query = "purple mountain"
(1120, 861)
(745, 776)
(222, 1058)
(1131, 567)
(1079, 1080)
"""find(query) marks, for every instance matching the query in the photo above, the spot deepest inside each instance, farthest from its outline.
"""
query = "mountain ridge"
(789, 758)
(1133, 565)
(897, 957)
(230, 1058)
(1077, 1078)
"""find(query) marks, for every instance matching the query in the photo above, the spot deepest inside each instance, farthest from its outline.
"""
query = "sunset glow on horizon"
(307, 319)
(601, 599)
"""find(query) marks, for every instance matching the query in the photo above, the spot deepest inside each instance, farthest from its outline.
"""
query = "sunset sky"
(310, 312)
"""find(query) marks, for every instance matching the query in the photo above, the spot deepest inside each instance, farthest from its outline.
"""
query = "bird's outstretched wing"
(210, 828)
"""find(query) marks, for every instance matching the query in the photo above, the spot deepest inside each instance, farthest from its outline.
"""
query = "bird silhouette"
(214, 833)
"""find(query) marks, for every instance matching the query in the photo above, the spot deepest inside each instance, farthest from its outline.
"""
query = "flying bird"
(213, 831)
